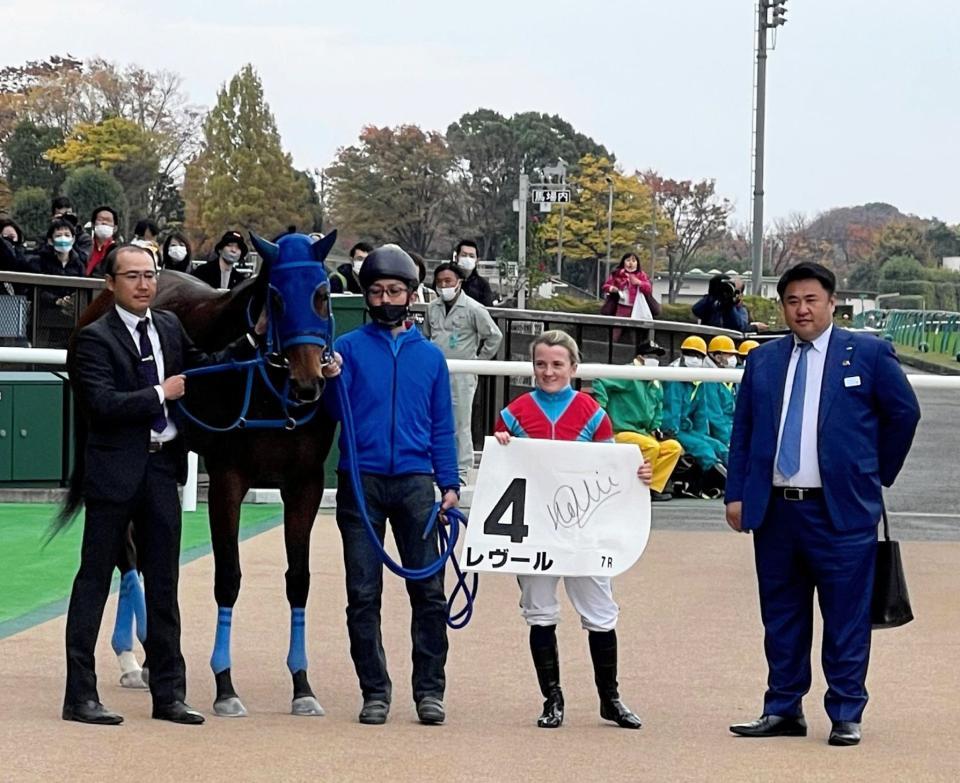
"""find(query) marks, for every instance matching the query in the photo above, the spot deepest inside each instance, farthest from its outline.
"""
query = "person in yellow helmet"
(725, 356)
(745, 347)
(687, 411)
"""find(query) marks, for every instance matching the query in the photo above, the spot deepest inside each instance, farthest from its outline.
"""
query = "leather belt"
(156, 447)
(799, 493)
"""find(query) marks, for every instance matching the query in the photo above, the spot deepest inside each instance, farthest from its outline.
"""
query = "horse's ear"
(322, 247)
(268, 254)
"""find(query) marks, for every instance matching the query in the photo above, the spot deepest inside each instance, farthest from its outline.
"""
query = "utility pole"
(522, 196)
(609, 222)
(653, 234)
(765, 21)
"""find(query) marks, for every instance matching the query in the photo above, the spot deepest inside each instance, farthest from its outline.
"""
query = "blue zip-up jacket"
(399, 391)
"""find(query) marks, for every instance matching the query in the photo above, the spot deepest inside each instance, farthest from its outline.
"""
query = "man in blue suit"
(824, 418)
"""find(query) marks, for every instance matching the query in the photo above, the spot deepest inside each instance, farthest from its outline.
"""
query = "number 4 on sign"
(516, 496)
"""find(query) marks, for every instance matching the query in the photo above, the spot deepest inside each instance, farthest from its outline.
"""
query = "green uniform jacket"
(633, 406)
(688, 407)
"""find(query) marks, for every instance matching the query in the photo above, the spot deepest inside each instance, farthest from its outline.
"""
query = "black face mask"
(388, 314)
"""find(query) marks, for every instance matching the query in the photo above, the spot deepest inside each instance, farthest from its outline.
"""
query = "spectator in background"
(723, 305)
(346, 279)
(146, 229)
(629, 284)
(62, 207)
(57, 306)
(635, 409)
(462, 329)
(222, 272)
(176, 253)
(105, 221)
(474, 286)
(424, 293)
(12, 255)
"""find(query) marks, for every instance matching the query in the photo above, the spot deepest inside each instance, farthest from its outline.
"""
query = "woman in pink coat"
(628, 281)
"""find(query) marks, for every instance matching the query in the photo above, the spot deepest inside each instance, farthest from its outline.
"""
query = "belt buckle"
(792, 493)
(155, 447)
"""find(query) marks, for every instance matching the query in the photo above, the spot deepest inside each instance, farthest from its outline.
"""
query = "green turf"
(33, 576)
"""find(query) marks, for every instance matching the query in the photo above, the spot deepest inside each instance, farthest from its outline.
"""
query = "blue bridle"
(298, 313)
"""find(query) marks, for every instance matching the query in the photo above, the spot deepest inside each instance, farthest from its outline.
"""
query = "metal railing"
(27, 319)
(928, 331)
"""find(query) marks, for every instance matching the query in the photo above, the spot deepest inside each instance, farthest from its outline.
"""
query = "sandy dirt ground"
(691, 663)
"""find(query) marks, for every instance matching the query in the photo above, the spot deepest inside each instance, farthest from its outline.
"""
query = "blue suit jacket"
(863, 436)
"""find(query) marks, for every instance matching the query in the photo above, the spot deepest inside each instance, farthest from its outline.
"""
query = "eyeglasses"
(136, 277)
(390, 290)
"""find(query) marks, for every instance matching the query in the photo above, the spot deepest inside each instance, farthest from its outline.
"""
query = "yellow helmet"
(748, 345)
(694, 343)
(722, 344)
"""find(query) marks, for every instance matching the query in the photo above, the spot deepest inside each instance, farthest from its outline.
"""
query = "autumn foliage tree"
(394, 186)
(242, 178)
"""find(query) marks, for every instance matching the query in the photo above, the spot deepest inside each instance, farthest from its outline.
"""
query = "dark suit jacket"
(119, 408)
(868, 416)
(478, 289)
(210, 274)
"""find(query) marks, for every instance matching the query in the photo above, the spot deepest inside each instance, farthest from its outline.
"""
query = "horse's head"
(300, 322)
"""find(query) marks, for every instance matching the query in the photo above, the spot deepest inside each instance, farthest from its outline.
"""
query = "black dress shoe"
(844, 733)
(660, 497)
(772, 726)
(374, 712)
(430, 710)
(91, 712)
(619, 713)
(178, 712)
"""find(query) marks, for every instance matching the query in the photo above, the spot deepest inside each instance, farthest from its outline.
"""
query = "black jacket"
(345, 281)
(478, 289)
(117, 406)
(210, 274)
(45, 262)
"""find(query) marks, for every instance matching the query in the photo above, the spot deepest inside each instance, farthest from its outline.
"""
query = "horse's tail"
(71, 504)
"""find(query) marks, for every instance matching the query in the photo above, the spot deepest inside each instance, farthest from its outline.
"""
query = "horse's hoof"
(145, 676)
(133, 680)
(230, 708)
(307, 706)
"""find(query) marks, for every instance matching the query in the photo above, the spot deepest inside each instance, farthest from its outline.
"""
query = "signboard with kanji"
(565, 508)
(550, 195)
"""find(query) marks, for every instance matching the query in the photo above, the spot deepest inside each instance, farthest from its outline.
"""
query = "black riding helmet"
(389, 262)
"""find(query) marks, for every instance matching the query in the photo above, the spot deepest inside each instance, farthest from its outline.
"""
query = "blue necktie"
(148, 371)
(788, 460)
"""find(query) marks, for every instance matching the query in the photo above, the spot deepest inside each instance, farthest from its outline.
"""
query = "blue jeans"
(407, 501)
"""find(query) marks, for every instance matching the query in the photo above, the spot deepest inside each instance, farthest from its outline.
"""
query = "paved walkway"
(691, 664)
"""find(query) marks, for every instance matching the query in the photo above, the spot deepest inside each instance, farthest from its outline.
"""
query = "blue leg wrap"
(139, 609)
(297, 657)
(122, 639)
(220, 660)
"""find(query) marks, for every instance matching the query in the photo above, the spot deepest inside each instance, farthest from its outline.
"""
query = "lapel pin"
(846, 362)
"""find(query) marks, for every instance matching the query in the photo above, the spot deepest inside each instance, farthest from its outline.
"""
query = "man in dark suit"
(824, 417)
(128, 366)
(222, 271)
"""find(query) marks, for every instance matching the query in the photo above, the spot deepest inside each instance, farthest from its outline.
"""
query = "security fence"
(928, 331)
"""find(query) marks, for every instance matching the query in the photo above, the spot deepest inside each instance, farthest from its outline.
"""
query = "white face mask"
(449, 294)
(102, 231)
(467, 263)
(651, 361)
(177, 252)
(730, 361)
(693, 361)
(357, 263)
(230, 256)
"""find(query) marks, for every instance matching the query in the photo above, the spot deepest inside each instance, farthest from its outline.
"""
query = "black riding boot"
(546, 660)
(603, 651)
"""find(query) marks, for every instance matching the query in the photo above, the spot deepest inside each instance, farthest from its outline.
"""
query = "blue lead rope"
(448, 541)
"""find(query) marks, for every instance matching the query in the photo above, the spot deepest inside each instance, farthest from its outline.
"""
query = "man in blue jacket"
(824, 418)
(399, 389)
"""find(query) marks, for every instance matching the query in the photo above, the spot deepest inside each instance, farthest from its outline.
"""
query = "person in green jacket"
(724, 355)
(687, 412)
(635, 409)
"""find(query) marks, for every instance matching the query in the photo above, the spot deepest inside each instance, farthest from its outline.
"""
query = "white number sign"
(557, 507)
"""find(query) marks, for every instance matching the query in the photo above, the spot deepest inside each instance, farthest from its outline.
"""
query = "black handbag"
(891, 601)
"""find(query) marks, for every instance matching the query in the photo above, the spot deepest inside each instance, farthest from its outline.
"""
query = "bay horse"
(226, 411)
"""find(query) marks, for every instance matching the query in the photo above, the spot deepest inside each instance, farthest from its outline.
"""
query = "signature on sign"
(573, 507)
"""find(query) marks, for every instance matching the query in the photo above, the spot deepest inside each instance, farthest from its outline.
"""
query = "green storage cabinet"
(349, 311)
(31, 427)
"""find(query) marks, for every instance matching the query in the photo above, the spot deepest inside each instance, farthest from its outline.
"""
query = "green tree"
(242, 177)
(88, 187)
(31, 209)
(393, 187)
(585, 218)
(902, 239)
(491, 151)
(697, 215)
(24, 161)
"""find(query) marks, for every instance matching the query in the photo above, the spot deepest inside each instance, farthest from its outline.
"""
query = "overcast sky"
(862, 94)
